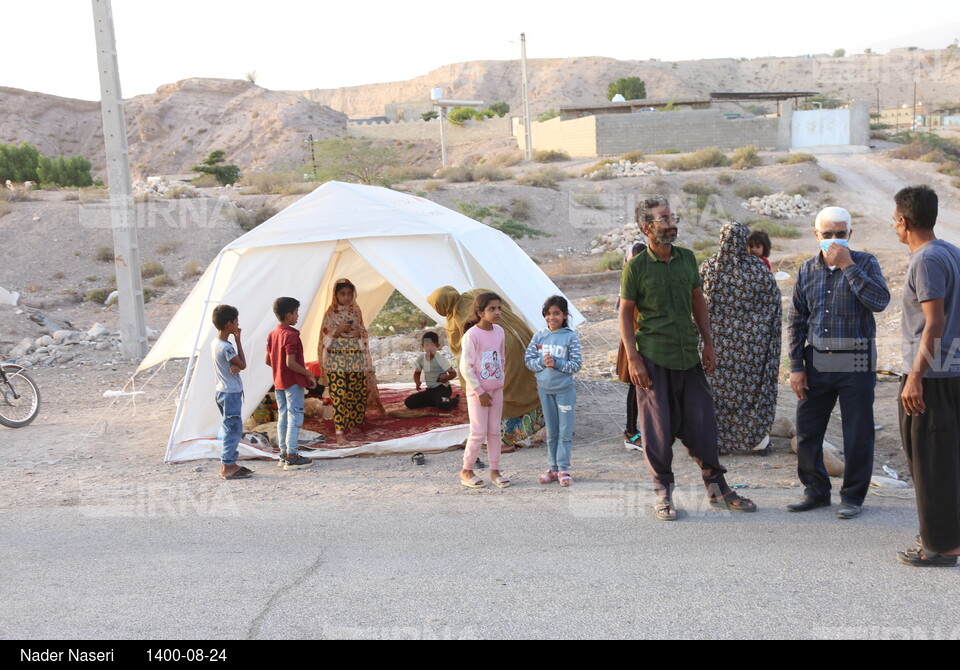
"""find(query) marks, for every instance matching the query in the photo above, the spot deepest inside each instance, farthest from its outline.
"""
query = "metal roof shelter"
(629, 107)
(778, 96)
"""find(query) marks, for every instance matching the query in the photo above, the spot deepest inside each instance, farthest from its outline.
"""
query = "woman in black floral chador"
(745, 320)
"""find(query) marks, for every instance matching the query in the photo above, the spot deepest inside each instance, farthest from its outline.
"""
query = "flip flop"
(501, 482)
(918, 557)
(475, 483)
(565, 478)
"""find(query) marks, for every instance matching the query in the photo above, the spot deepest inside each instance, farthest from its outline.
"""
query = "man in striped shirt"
(833, 355)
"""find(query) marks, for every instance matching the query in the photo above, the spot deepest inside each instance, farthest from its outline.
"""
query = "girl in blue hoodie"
(554, 356)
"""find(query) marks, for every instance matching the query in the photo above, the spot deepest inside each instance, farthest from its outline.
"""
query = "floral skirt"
(348, 389)
(518, 429)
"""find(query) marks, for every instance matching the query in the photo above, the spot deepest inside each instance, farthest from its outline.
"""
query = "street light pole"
(524, 89)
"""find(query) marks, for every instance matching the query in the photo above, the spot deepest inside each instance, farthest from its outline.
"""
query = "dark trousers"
(679, 405)
(855, 391)
(631, 427)
(931, 442)
(438, 396)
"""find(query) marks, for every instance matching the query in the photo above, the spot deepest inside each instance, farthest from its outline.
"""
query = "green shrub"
(162, 280)
(458, 115)
(224, 174)
(92, 278)
(506, 160)
(104, 254)
(433, 185)
(633, 156)
(150, 269)
(605, 172)
(520, 209)
(455, 173)
(696, 187)
(935, 156)
(168, 247)
(611, 260)
(547, 115)
(590, 200)
(826, 175)
(747, 191)
(550, 156)
(699, 160)
(545, 177)
(746, 157)
(266, 183)
(191, 269)
(488, 172)
(97, 295)
(204, 181)
(494, 218)
(774, 229)
(429, 116)
(353, 159)
(148, 294)
(951, 169)
(500, 108)
(923, 143)
(59, 275)
(725, 178)
(797, 158)
(668, 151)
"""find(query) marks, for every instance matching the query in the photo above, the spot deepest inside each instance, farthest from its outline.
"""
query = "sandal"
(733, 503)
(565, 478)
(500, 482)
(475, 483)
(549, 477)
(665, 510)
(919, 557)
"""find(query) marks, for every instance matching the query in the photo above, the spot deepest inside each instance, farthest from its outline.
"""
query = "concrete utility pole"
(528, 140)
(133, 324)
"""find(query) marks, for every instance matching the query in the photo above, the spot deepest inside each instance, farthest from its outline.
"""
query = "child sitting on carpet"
(437, 373)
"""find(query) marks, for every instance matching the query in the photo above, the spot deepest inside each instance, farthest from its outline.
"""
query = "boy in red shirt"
(290, 379)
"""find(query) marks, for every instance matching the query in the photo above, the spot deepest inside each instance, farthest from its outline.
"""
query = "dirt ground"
(84, 447)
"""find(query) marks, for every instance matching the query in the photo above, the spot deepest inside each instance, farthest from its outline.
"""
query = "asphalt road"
(590, 562)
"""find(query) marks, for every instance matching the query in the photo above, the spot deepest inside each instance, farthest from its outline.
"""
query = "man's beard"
(665, 236)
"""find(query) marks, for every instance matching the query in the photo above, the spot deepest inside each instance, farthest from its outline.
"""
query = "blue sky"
(48, 45)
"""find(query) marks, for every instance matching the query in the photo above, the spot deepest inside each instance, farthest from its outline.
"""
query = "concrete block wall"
(578, 137)
(683, 130)
(420, 131)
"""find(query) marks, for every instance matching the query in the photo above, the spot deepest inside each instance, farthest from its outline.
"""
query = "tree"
(429, 116)
(631, 88)
(251, 76)
(547, 115)
(70, 172)
(353, 159)
(224, 174)
(839, 53)
(19, 163)
(500, 108)
(460, 114)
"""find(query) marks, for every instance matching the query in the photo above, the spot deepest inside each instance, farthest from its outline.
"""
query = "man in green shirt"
(673, 398)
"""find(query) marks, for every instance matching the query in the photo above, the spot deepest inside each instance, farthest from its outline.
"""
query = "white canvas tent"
(382, 240)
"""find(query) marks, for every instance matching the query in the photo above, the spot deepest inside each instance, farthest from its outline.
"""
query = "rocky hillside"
(175, 128)
(571, 81)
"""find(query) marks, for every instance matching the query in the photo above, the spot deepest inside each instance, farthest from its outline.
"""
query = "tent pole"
(193, 357)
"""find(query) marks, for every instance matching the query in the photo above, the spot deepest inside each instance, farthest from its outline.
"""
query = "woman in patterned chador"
(745, 320)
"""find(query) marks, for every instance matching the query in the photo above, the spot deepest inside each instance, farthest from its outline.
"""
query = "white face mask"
(825, 244)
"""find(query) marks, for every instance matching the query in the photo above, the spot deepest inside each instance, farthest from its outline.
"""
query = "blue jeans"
(230, 406)
(558, 411)
(290, 418)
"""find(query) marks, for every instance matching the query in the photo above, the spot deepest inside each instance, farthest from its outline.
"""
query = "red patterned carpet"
(378, 429)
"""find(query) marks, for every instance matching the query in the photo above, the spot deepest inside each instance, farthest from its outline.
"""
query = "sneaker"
(282, 460)
(296, 462)
(632, 443)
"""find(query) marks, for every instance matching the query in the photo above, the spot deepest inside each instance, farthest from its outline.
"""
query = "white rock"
(112, 298)
(97, 330)
(26, 344)
(44, 341)
(64, 335)
(887, 483)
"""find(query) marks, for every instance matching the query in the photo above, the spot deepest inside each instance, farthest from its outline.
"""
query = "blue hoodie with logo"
(564, 345)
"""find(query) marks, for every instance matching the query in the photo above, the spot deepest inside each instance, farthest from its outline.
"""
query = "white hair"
(833, 215)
